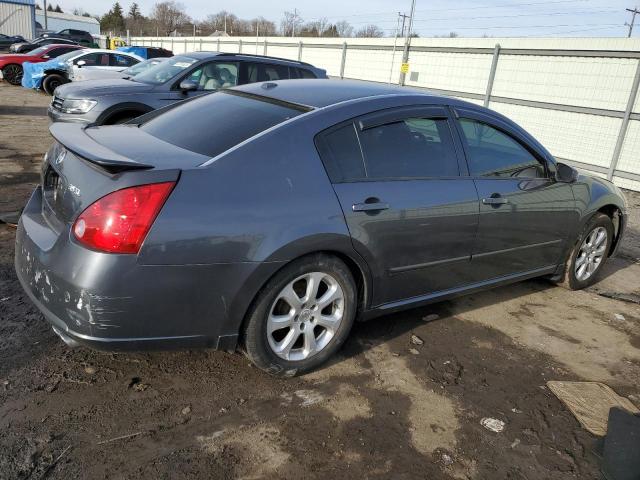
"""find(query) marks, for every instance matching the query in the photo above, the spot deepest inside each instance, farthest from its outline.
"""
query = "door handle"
(495, 201)
(369, 207)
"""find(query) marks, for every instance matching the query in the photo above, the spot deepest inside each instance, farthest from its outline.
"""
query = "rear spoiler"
(76, 140)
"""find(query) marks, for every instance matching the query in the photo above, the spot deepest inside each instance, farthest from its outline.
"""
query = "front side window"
(122, 60)
(94, 60)
(493, 153)
(215, 75)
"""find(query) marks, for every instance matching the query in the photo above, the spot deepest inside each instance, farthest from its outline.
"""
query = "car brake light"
(120, 221)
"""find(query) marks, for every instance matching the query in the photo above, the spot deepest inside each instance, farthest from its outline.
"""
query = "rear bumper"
(111, 302)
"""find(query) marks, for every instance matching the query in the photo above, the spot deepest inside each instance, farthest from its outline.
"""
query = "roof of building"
(67, 16)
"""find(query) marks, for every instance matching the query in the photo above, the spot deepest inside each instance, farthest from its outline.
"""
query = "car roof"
(322, 92)
(204, 55)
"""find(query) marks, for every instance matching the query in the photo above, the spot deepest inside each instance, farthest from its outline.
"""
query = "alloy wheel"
(13, 74)
(591, 253)
(305, 316)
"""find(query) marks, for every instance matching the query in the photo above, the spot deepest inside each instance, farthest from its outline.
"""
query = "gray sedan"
(81, 75)
(271, 216)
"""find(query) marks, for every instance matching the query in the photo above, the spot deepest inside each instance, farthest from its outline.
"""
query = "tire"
(12, 73)
(579, 258)
(297, 319)
(51, 82)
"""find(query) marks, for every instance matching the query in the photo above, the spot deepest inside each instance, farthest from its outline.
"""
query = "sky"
(468, 18)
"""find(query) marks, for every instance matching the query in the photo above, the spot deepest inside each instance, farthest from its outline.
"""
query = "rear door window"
(265, 72)
(215, 75)
(212, 124)
(121, 60)
(94, 60)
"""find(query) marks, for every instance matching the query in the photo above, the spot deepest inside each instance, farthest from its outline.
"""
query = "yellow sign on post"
(404, 68)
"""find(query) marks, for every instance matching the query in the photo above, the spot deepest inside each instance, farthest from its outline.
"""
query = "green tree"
(113, 20)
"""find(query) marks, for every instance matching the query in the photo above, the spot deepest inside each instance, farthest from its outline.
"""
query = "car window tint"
(165, 71)
(492, 153)
(215, 75)
(195, 125)
(303, 73)
(94, 60)
(122, 60)
(412, 148)
(341, 155)
(264, 72)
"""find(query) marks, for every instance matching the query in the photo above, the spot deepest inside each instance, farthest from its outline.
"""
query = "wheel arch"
(354, 263)
(121, 108)
(615, 213)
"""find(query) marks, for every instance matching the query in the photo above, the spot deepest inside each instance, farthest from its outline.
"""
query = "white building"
(17, 17)
(61, 21)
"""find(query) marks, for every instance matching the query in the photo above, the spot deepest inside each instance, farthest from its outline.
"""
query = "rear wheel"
(12, 73)
(52, 81)
(301, 317)
(589, 254)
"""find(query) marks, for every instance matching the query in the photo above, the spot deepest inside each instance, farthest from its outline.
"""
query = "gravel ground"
(386, 407)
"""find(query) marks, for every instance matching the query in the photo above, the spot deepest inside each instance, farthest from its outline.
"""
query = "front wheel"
(589, 254)
(13, 74)
(301, 317)
(51, 82)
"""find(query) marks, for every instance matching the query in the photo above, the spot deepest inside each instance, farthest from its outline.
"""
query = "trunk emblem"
(60, 157)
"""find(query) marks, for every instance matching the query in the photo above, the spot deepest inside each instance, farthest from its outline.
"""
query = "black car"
(39, 42)
(7, 40)
(79, 36)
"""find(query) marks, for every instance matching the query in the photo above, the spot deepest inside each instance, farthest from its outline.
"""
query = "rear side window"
(341, 155)
(264, 72)
(492, 153)
(302, 73)
(211, 124)
(94, 60)
(122, 60)
(410, 148)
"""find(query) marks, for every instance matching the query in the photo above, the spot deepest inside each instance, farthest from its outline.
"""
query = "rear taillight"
(119, 222)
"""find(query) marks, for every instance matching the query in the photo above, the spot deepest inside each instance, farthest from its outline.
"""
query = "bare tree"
(290, 24)
(318, 27)
(344, 29)
(370, 31)
(169, 16)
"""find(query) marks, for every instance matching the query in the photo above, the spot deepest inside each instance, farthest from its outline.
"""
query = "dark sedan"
(25, 47)
(270, 216)
(7, 40)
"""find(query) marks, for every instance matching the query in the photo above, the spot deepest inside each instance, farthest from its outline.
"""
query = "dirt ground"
(384, 408)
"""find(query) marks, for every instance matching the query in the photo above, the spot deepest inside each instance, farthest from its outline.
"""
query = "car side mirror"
(566, 174)
(45, 56)
(188, 86)
(81, 63)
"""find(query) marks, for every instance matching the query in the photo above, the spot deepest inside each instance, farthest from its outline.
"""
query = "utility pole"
(293, 22)
(395, 43)
(404, 17)
(407, 41)
(634, 12)
(225, 22)
(257, 35)
(46, 26)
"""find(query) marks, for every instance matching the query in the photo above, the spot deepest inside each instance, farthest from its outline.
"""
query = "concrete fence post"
(300, 50)
(200, 44)
(240, 45)
(625, 123)
(264, 50)
(492, 74)
(344, 59)
(172, 44)
(218, 44)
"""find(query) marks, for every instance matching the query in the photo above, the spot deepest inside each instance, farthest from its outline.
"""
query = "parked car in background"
(12, 65)
(270, 216)
(80, 36)
(25, 47)
(48, 76)
(179, 78)
(84, 74)
(147, 52)
(7, 40)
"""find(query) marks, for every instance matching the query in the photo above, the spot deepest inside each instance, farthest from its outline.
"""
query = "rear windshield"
(211, 124)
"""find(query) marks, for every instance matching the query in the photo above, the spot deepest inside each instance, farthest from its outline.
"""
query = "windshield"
(141, 67)
(165, 71)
